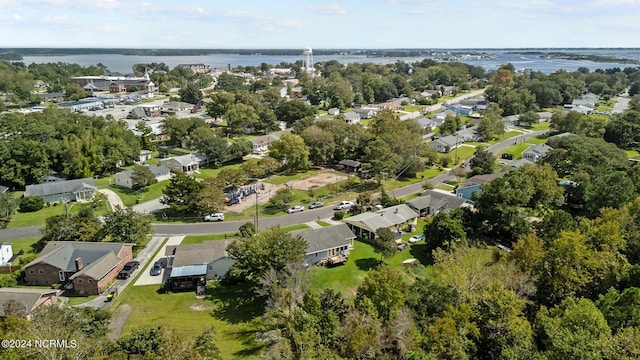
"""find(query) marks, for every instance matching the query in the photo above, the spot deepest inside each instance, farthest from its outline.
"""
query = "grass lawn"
(505, 136)
(538, 140)
(541, 126)
(281, 179)
(632, 154)
(414, 108)
(516, 150)
(151, 192)
(20, 219)
(445, 187)
(323, 223)
(208, 173)
(462, 152)
(230, 310)
(79, 299)
(197, 239)
(24, 245)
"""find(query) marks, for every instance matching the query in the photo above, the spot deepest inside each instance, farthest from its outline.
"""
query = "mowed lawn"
(230, 310)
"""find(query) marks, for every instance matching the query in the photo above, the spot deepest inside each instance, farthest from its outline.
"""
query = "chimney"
(396, 211)
(79, 264)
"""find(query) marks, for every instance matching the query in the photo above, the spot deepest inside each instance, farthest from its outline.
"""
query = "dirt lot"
(318, 180)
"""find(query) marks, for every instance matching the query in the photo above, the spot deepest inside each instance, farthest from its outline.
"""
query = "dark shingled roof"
(325, 238)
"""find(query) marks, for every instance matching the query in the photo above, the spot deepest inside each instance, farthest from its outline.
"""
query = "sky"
(339, 24)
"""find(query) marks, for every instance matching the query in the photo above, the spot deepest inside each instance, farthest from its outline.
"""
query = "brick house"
(26, 300)
(90, 266)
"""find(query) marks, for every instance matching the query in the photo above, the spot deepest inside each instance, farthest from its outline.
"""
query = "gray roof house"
(395, 218)
(327, 241)
(185, 163)
(187, 264)
(516, 164)
(432, 202)
(444, 144)
(68, 190)
(425, 123)
(351, 117)
(125, 178)
(90, 266)
(28, 299)
(535, 152)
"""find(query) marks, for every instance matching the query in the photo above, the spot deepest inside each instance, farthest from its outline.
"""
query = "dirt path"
(117, 321)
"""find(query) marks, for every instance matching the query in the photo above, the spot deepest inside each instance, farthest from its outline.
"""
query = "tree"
(142, 177)
(574, 329)
(246, 230)
(272, 248)
(491, 124)
(600, 193)
(529, 119)
(384, 243)
(450, 125)
(621, 309)
(31, 204)
(212, 199)
(320, 143)
(384, 288)
(444, 232)
(623, 130)
(182, 194)
(292, 151)
(220, 103)
(190, 93)
(281, 199)
(483, 161)
(292, 111)
(126, 225)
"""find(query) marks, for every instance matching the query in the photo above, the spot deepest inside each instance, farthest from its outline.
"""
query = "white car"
(295, 209)
(344, 205)
(415, 238)
(214, 217)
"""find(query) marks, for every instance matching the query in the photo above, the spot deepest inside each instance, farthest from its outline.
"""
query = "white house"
(351, 117)
(125, 178)
(6, 253)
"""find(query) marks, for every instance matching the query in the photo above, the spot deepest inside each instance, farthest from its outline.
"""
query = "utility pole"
(255, 223)
(457, 145)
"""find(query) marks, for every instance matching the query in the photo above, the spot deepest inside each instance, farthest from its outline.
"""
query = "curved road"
(284, 220)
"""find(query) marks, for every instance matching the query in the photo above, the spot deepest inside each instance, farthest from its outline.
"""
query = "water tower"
(307, 65)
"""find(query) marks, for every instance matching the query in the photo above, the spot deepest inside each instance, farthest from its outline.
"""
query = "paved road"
(622, 104)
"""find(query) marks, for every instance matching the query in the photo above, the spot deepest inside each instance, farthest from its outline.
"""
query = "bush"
(31, 204)
(338, 215)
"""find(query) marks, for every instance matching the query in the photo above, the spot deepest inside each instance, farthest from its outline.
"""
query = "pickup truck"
(128, 269)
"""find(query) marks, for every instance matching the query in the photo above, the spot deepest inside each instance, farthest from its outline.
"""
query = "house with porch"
(535, 152)
(326, 242)
(188, 264)
(396, 218)
(67, 190)
(90, 266)
(187, 163)
(125, 178)
(25, 301)
(433, 201)
(444, 144)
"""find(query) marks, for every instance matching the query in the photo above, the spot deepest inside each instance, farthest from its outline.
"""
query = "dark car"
(156, 269)
(128, 269)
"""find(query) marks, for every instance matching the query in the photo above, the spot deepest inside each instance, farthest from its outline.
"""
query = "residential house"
(473, 185)
(351, 117)
(427, 124)
(90, 266)
(187, 163)
(145, 110)
(431, 94)
(460, 109)
(443, 114)
(67, 190)
(585, 110)
(545, 116)
(177, 106)
(125, 178)
(554, 139)
(333, 111)
(449, 90)
(326, 242)
(511, 120)
(433, 201)
(444, 144)
(365, 112)
(188, 264)
(476, 103)
(196, 68)
(145, 155)
(396, 218)
(6, 253)
(261, 143)
(468, 134)
(535, 152)
(26, 301)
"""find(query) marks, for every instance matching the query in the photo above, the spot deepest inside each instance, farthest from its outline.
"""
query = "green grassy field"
(129, 197)
(230, 310)
(20, 219)
(516, 150)
(413, 108)
(23, 245)
(541, 126)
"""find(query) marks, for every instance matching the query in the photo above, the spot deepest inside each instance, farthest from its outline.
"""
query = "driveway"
(150, 206)
(145, 277)
(114, 199)
(143, 257)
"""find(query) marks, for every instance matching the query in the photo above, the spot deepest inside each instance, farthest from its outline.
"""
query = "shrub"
(31, 204)
(338, 215)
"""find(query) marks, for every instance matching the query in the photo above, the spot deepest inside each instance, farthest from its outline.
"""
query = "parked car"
(316, 204)
(156, 269)
(402, 246)
(128, 269)
(214, 217)
(295, 209)
(195, 109)
(344, 205)
(415, 238)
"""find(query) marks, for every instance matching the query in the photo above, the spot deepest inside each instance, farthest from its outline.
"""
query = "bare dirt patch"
(318, 180)
(200, 307)
(117, 321)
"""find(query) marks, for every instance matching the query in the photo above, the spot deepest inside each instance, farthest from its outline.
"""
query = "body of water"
(494, 59)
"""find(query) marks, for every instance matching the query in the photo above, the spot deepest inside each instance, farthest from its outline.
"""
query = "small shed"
(350, 165)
